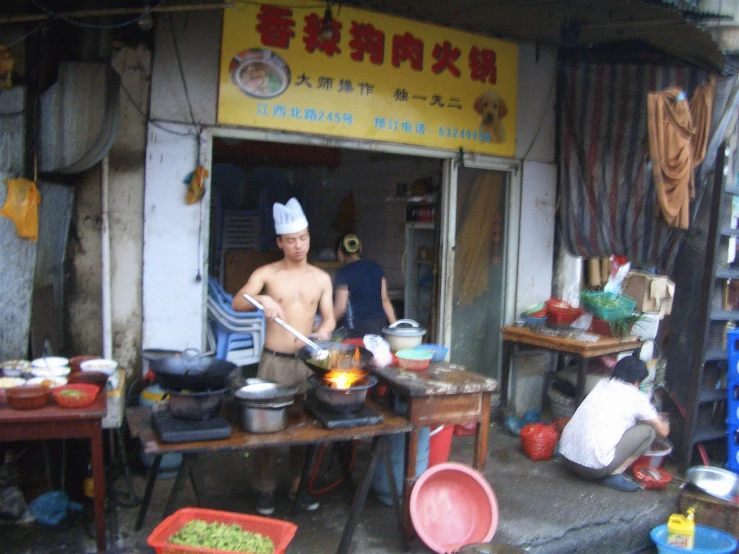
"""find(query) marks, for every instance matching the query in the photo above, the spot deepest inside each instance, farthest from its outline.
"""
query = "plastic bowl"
(15, 368)
(105, 366)
(86, 396)
(75, 362)
(655, 456)
(707, 541)
(652, 478)
(439, 351)
(453, 505)
(52, 361)
(97, 378)
(27, 397)
(48, 372)
(50, 382)
(415, 360)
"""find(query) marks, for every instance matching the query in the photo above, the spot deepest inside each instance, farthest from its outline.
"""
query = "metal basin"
(717, 482)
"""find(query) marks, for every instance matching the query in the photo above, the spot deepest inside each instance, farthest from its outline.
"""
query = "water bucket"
(397, 459)
(440, 444)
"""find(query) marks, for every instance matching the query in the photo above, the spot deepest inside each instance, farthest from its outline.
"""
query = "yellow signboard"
(364, 75)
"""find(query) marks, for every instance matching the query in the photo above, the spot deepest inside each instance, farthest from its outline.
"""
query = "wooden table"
(514, 337)
(53, 422)
(302, 429)
(444, 394)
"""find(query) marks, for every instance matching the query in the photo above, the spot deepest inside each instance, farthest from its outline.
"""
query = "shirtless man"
(294, 291)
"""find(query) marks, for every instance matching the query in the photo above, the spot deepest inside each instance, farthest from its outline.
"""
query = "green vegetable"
(71, 392)
(222, 536)
(621, 328)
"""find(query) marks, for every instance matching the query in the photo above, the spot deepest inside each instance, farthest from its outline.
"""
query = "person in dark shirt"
(360, 291)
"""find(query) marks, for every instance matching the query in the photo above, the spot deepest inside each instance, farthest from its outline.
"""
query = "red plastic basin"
(452, 505)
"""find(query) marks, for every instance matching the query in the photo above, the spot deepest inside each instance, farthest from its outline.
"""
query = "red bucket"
(440, 444)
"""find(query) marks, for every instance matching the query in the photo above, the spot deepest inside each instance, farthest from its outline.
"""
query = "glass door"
(478, 270)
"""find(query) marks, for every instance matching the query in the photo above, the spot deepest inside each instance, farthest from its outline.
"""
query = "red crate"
(281, 532)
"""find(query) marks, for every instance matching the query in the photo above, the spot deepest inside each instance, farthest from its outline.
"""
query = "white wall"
(173, 302)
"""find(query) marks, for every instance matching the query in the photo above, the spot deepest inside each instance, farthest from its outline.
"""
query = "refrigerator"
(418, 261)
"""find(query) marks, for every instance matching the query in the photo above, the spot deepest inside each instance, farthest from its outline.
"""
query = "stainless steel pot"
(263, 418)
(404, 333)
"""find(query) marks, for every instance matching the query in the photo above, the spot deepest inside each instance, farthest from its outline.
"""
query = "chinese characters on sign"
(366, 75)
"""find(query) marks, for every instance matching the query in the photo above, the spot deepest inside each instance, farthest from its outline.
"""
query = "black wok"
(320, 367)
(196, 373)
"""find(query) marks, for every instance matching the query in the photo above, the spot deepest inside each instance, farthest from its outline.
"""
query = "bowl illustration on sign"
(259, 73)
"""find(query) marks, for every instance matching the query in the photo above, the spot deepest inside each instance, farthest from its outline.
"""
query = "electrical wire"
(78, 23)
(24, 37)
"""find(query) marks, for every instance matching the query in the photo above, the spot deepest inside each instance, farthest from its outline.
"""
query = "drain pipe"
(105, 255)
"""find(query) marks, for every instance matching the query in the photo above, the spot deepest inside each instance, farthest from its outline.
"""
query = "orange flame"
(343, 378)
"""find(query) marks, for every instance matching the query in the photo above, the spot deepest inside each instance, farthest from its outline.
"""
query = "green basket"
(619, 306)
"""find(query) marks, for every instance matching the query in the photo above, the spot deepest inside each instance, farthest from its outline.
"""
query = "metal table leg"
(188, 461)
(151, 477)
(384, 447)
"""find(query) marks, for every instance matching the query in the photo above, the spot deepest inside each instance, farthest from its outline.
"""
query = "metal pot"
(189, 370)
(404, 333)
(195, 405)
(263, 418)
(342, 401)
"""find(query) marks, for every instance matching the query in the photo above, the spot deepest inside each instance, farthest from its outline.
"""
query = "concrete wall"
(126, 227)
(198, 41)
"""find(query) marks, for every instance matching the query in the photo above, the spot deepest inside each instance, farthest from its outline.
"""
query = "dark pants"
(372, 326)
(635, 442)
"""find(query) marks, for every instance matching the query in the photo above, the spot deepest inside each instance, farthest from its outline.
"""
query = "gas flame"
(343, 378)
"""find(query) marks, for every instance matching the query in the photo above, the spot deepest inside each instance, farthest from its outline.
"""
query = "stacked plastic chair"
(238, 336)
(732, 348)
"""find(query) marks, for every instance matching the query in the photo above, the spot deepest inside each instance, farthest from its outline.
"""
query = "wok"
(321, 367)
(195, 372)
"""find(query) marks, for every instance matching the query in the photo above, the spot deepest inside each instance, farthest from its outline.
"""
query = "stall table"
(444, 394)
(54, 422)
(514, 337)
(302, 429)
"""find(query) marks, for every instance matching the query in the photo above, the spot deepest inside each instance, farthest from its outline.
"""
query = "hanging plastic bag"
(538, 441)
(196, 186)
(21, 206)
(380, 349)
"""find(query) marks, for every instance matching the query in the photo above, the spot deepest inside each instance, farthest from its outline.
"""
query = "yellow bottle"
(681, 530)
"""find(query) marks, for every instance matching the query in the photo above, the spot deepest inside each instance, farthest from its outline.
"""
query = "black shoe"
(266, 504)
(620, 483)
(306, 501)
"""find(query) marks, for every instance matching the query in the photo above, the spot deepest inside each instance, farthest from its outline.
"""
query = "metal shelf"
(705, 434)
(732, 190)
(727, 273)
(712, 395)
(716, 355)
(724, 315)
(730, 232)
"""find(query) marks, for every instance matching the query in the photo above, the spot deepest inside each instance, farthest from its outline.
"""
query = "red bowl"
(84, 396)
(653, 478)
(27, 397)
(451, 505)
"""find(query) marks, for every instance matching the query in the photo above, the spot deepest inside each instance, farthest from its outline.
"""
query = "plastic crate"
(624, 308)
(733, 367)
(732, 402)
(732, 440)
(281, 532)
(732, 343)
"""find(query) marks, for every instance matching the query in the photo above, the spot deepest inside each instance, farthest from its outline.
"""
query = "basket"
(439, 351)
(623, 305)
(281, 532)
(414, 360)
(561, 405)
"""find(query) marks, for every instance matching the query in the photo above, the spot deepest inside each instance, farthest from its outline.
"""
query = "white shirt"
(613, 407)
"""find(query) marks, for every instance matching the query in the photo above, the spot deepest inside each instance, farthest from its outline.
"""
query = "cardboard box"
(653, 293)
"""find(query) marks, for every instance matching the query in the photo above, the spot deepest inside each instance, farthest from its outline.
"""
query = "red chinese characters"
(316, 39)
(367, 40)
(275, 26)
(408, 48)
(482, 65)
(445, 55)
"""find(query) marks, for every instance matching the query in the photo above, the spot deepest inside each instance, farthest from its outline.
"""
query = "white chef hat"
(289, 218)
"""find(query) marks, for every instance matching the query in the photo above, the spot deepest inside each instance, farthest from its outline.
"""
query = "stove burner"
(172, 429)
(332, 420)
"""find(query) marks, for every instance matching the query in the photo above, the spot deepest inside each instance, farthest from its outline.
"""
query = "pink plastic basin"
(452, 505)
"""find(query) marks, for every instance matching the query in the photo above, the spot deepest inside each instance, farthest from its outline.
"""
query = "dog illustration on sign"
(492, 109)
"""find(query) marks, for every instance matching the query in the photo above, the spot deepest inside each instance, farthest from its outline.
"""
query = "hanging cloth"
(677, 145)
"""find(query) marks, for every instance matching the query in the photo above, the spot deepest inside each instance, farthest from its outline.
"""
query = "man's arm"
(253, 287)
(341, 302)
(326, 310)
(661, 427)
(387, 306)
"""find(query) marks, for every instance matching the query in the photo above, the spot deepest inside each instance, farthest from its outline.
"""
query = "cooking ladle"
(318, 352)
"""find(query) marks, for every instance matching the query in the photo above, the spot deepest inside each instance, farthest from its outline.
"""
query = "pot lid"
(404, 328)
(266, 404)
(265, 390)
